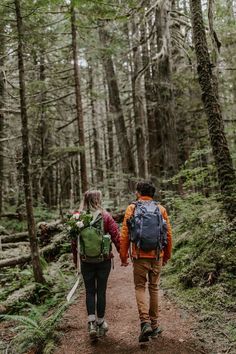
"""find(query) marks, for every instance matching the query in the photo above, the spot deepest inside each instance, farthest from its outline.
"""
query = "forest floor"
(179, 334)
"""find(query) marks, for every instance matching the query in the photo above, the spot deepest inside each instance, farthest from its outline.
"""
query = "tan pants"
(147, 269)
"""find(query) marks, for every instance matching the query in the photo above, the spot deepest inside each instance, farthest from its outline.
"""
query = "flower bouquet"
(76, 222)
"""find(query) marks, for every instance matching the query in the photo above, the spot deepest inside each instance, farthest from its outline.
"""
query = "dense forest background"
(98, 94)
(128, 107)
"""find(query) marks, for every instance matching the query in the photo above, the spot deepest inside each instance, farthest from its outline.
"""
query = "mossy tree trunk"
(37, 269)
(95, 128)
(165, 106)
(154, 132)
(2, 90)
(210, 98)
(138, 102)
(79, 109)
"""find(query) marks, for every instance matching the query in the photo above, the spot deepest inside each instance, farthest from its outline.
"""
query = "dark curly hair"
(146, 188)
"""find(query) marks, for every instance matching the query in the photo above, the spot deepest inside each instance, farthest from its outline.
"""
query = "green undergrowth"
(59, 278)
(29, 310)
(202, 272)
(35, 332)
(14, 226)
(33, 319)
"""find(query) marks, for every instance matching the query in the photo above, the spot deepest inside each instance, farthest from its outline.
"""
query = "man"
(146, 264)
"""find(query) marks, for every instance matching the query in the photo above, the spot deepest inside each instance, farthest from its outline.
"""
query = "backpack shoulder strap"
(135, 203)
(157, 206)
(97, 217)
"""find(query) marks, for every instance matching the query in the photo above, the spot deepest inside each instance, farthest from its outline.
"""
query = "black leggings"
(95, 279)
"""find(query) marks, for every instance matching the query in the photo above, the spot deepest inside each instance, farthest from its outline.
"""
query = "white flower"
(80, 224)
(76, 216)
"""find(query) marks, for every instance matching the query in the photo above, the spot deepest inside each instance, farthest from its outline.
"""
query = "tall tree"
(127, 159)
(154, 136)
(210, 97)
(165, 107)
(37, 269)
(160, 105)
(96, 145)
(2, 90)
(79, 109)
(138, 101)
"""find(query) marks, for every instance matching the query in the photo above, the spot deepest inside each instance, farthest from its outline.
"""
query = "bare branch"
(66, 125)
(55, 99)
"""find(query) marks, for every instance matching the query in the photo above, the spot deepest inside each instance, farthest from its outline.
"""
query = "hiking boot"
(146, 331)
(92, 329)
(155, 332)
(102, 329)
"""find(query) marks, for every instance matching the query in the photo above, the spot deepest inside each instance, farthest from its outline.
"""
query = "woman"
(96, 274)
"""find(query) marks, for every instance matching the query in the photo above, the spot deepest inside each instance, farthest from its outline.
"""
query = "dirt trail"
(122, 317)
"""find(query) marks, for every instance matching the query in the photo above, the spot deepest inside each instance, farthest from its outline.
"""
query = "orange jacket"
(125, 242)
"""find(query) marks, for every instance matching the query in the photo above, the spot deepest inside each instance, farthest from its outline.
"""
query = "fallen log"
(11, 262)
(19, 216)
(20, 295)
(14, 244)
(50, 226)
(47, 230)
(3, 231)
(20, 236)
(49, 252)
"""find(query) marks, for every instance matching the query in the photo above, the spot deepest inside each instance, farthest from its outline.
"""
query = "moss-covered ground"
(202, 273)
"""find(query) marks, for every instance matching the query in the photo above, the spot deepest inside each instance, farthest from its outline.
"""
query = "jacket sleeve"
(124, 239)
(111, 227)
(168, 248)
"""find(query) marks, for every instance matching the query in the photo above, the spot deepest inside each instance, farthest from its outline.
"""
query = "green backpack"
(94, 245)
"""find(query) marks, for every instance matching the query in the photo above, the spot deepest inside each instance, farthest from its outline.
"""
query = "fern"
(38, 333)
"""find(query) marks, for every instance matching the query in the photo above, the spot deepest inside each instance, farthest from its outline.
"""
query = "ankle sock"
(100, 320)
(91, 318)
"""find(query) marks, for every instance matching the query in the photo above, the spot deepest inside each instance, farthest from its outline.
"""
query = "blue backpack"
(147, 227)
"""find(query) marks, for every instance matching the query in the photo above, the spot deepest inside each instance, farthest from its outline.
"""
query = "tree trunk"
(165, 105)
(224, 166)
(138, 106)
(154, 133)
(38, 274)
(127, 159)
(46, 183)
(95, 129)
(2, 90)
(109, 143)
(79, 110)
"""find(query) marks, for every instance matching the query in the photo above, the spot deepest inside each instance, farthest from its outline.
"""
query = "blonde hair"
(92, 200)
